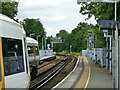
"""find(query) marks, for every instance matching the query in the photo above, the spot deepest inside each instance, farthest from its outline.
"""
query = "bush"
(99, 62)
(63, 52)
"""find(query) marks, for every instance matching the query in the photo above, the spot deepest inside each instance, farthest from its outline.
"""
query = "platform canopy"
(105, 1)
(108, 25)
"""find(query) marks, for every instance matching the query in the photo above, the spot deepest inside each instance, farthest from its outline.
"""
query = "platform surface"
(100, 77)
(45, 57)
(89, 75)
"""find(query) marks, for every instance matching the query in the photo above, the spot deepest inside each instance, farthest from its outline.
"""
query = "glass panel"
(12, 56)
(30, 50)
(37, 50)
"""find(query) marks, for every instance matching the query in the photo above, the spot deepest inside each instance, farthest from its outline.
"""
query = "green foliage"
(64, 52)
(59, 47)
(98, 9)
(62, 34)
(76, 54)
(49, 39)
(10, 9)
(77, 38)
(57, 39)
(34, 26)
(99, 62)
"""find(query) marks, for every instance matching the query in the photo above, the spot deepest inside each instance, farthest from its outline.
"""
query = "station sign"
(57, 40)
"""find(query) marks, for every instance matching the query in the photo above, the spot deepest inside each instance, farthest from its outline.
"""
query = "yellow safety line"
(88, 75)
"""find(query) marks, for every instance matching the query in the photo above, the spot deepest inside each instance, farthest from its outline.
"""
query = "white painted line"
(67, 75)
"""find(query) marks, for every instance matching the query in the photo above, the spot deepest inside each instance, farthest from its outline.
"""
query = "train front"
(14, 66)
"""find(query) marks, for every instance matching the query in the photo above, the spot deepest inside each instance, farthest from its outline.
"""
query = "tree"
(100, 10)
(62, 34)
(58, 47)
(34, 26)
(77, 38)
(10, 9)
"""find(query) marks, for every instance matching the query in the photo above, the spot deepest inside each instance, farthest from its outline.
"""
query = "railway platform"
(46, 57)
(87, 74)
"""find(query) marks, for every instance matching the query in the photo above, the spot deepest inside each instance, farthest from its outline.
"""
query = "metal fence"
(45, 52)
(96, 54)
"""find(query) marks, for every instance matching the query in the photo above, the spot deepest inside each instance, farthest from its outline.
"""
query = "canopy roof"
(108, 24)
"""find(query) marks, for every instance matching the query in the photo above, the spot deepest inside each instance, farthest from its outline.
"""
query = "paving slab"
(92, 76)
(100, 77)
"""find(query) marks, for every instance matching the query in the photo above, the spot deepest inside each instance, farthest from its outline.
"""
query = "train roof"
(11, 21)
(7, 19)
(30, 40)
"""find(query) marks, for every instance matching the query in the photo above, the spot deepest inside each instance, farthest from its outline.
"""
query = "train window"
(36, 50)
(12, 56)
(30, 50)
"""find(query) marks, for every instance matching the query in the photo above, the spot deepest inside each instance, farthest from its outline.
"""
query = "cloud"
(54, 14)
(33, 4)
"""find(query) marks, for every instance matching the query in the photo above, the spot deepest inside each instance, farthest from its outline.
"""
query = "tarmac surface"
(100, 77)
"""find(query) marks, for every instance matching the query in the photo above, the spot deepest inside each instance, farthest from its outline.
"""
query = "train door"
(37, 53)
(2, 81)
(26, 57)
(14, 63)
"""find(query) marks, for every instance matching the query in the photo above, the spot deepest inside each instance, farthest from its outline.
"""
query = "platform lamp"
(45, 42)
(70, 49)
(87, 36)
(89, 39)
(31, 34)
(38, 41)
(38, 37)
(51, 40)
(92, 37)
(113, 25)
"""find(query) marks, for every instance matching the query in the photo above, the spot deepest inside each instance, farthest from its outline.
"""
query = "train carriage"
(33, 55)
(14, 65)
(33, 50)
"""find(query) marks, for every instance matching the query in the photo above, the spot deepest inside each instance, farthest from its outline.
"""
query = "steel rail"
(47, 64)
(39, 74)
(49, 77)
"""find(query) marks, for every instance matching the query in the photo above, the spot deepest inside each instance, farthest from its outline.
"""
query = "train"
(14, 63)
(33, 55)
(33, 50)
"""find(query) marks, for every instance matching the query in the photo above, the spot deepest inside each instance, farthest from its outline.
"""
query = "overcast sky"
(54, 14)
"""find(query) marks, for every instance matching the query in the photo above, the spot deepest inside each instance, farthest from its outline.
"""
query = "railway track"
(50, 62)
(53, 71)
